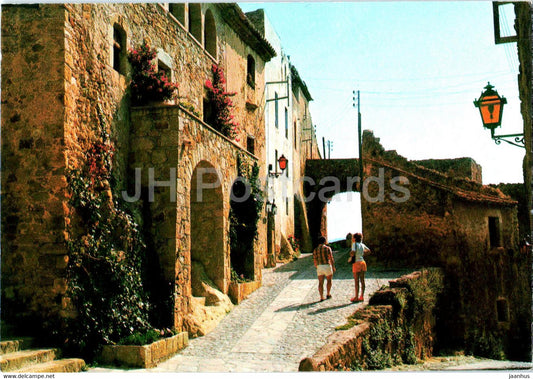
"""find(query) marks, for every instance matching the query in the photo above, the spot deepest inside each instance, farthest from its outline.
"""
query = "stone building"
(524, 33)
(287, 125)
(419, 216)
(64, 72)
(306, 147)
(453, 221)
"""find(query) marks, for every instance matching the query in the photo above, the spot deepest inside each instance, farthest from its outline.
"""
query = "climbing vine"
(106, 253)
(221, 117)
(246, 206)
(147, 82)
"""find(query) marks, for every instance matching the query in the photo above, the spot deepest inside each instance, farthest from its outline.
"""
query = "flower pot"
(144, 356)
(240, 291)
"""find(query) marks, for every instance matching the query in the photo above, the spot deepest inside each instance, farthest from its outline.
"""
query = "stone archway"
(242, 229)
(325, 179)
(207, 224)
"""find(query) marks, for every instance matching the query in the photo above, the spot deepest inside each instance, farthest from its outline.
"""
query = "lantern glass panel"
(490, 111)
(282, 163)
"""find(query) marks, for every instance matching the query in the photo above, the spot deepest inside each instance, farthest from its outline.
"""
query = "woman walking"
(325, 266)
(359, 249)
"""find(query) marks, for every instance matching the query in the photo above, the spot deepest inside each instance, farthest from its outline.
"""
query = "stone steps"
(19, 359)
(61, 365)
(7, 347)
(13, 359)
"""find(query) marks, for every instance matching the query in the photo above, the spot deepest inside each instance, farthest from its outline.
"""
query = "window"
(177, 10)
(494, 232)
(287, 171)
(276, 161)
(209, 116)
(119, 49)
(502, 309)
(210, 34)
(162, 67)
(250, 71)
(276, 110)
(195, 21)
(286, 123)
(250, 144)
(287, 206)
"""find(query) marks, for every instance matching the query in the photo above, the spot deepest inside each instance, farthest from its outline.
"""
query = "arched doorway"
(207, 224)
(242, 229)
(344, 215)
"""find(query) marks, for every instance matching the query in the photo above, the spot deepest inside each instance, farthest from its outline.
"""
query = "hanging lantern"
(282, 162)
(490, 106)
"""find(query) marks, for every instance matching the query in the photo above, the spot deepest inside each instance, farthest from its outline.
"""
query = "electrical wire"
(511, 59)
(357, 80)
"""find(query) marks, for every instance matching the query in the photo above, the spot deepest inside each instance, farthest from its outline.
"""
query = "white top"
(359, 249)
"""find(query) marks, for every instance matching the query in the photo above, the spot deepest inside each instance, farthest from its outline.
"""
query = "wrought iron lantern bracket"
(518, 139)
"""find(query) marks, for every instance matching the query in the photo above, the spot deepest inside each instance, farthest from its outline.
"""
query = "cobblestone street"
(279, 324)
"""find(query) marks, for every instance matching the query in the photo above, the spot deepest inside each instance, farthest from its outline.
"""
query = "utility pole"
(330, 147)
(324, 147)
(359, 138)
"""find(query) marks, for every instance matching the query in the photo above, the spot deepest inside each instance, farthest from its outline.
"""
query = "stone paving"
(462, 363)
(279, 324)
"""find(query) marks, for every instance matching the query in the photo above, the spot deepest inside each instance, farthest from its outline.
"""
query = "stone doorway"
(242, 230)
(207, 225)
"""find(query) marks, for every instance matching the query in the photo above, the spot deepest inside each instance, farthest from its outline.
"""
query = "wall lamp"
(282, 162)
(490, 105)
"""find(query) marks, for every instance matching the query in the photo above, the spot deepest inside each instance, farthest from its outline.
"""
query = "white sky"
(419, 67)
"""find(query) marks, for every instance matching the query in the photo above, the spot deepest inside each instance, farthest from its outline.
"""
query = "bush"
(106, 259)
(145, 338)
(148, 84)
(484, 344)
(222, 118)
(425, 291)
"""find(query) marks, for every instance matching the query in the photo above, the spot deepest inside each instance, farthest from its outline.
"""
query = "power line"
(344, 79)
(436, 93)
(511, 58)
(463, 86)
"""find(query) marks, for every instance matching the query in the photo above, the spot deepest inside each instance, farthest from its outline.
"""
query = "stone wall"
(458, 167)
(410, 211)
(468, 229)
(397, 325)
(524, 30)
(325, 179)
(183, 229)
(33, 160)
(61, 88)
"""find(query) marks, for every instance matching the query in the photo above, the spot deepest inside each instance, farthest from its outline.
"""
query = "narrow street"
(278, 325)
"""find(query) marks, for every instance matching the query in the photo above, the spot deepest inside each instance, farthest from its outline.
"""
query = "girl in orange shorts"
(359, 266)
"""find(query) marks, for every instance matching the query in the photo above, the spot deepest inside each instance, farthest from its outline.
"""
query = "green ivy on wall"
(244, 218)
(106, 253)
